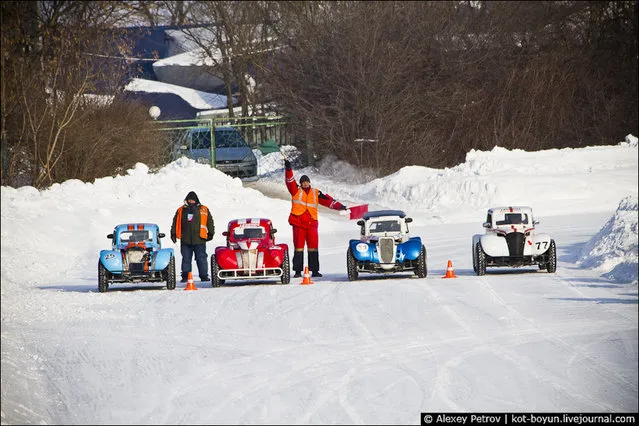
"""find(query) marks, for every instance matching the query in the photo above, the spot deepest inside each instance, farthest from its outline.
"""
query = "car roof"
(510, 209)
(257, 221)
(135, 226)
(379, 213)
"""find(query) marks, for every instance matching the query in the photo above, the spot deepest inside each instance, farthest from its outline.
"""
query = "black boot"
(313, 262)
(298, 263)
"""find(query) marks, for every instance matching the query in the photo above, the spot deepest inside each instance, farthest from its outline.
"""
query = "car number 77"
(539, 243)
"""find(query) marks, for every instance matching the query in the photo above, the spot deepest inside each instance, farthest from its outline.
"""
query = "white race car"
(511, 240)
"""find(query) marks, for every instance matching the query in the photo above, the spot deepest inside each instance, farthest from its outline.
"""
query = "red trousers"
(305, 236)
(305, 232)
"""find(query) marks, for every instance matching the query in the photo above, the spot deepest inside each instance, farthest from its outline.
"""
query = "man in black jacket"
(193, 225)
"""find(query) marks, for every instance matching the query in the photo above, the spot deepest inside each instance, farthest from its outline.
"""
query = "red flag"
(357, 212)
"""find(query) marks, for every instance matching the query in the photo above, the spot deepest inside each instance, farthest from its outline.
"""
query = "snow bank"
(614, 249)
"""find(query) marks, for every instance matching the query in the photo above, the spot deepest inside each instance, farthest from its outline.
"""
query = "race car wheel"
(103, 278)
(215, 280)
(421, 270)
(551, 265)
(169, 274)
(286, 269)
(481, 259)
(472, 249)
(351, 265)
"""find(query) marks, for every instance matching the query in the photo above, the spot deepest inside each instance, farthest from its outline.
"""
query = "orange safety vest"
(302, 201)
(204, 217)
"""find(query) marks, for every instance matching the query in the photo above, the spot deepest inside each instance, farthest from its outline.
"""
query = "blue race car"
(385, 246)
(136, 255)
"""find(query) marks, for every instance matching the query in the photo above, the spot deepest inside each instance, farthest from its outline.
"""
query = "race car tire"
(421, 271)
(481, 259)
(472, 249)
(286, 269)
(103, 278)
(215, 280)
(169, 274)
(551, 265)
(351, 265)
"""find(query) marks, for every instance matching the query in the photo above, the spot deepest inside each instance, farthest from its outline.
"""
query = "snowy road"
(379, 350)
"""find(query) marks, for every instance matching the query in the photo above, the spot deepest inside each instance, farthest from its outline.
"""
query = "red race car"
(250, 253)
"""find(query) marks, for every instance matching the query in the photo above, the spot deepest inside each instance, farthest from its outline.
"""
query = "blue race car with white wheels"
(385, 246)
(136, 255)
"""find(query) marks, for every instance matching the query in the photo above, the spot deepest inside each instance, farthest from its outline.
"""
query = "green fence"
(264, 135)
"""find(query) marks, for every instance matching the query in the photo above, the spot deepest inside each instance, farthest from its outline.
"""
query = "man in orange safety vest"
(303, 218)
(193, 226)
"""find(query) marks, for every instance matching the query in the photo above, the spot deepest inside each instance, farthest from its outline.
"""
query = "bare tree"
(235, 38)
(427, 81)
(160, 12)
(347, 84)
(431, 80)
(50, 64)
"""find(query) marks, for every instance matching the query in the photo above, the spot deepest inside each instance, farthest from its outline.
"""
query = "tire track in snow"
(257, 390)
(443, 378)
(573, 287)
(601, 371)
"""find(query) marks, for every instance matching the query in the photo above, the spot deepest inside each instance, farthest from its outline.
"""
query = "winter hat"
(304, 178)
(192, 196)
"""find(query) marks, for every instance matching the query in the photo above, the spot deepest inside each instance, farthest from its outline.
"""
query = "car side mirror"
(360, 222)
(535, 222)
(161, 235)
(225, 233)
(110, 236)
(273, 231)
(408, 219)
(486, 225)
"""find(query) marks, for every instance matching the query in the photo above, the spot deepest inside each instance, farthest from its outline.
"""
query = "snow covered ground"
(376, 351)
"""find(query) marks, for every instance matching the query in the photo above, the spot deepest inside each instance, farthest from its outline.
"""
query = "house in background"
(187, 64)
(190, 69)
(175, 102)
(167, 70)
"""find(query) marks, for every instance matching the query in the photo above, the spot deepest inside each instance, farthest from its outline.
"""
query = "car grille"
(136, 260)
(135, 255)
(386, 249)
(249, 259)
(239, 171)
(516, 241)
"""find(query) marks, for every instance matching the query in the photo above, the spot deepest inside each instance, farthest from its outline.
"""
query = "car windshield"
(513, 219)
(385, 226)
(243, 232)
(135, 236)
(224, 138)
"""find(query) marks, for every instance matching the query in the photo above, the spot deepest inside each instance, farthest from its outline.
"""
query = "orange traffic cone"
(449, 271)
(189, 282)
(307, 277)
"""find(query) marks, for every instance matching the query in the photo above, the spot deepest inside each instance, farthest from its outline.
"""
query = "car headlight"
(361, 247)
